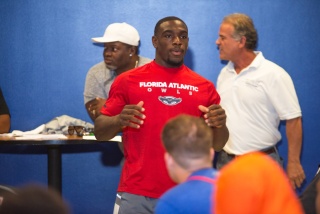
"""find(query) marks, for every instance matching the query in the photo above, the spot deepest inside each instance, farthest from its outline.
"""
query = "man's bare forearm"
(4, 123)
(294, 168)
(221, 136)
(106, 127)
(294, 136)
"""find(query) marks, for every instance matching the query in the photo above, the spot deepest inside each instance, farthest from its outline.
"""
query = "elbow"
(97, 134)
(101, 135)
(98, 129)
(218, 148)
(5, 124)
(103, 128)
(4, 130)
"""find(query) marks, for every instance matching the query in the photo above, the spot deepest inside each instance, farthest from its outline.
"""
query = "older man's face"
(116, 55)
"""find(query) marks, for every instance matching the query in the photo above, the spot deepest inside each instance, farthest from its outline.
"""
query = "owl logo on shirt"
(169, 100)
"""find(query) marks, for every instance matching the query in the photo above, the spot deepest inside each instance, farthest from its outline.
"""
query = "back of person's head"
(166, 19)
(186, 139)
(34, 199)
(255, 184)
(243, 26)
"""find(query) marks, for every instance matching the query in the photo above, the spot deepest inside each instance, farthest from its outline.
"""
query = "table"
(53, 153)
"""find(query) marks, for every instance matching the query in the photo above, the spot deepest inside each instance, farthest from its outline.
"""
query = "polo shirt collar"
(254, 64)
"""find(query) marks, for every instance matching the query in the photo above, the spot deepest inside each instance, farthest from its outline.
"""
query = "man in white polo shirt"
(256, 95)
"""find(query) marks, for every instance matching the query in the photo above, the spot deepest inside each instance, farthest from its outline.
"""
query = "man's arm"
(106, 127)
(89, 111)
(215, 117)
(294, 136)
(94, 91)
(94, 106)
(221, 136)
(4, 123)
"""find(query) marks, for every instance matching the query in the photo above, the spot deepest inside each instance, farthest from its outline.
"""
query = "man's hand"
(132, 116)
(214, 115)
(94, 106)
(296, 174)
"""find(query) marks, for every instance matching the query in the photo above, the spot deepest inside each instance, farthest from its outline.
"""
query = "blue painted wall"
(46, 51)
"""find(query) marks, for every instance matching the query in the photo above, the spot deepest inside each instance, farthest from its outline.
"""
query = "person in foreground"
(142, 100)
(256, 94)
(34, 199)
(254, 183)
(121, 47)
(4, 115)
(189, 161)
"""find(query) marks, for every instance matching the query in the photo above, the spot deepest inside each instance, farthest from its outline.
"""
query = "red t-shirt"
(166, 93)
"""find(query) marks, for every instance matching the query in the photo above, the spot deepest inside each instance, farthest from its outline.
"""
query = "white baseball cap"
(119, 32)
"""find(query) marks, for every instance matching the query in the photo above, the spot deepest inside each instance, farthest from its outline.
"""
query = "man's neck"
(186, 173)
(133, 64)
(244, 60)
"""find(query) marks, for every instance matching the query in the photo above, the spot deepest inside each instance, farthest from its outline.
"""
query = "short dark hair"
(187, 138)
(165, 19)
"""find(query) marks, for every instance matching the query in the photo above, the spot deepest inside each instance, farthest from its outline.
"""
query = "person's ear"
(154, 41)
(132, 50)
(242, 41)
(168, 159)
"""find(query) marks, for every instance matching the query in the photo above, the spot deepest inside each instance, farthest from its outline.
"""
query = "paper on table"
(92, 137)
(42, 137)
(35, 131)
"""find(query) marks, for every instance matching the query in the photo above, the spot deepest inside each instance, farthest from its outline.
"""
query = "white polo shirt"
(255, 101)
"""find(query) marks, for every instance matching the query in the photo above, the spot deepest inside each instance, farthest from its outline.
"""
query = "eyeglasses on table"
(79, 130)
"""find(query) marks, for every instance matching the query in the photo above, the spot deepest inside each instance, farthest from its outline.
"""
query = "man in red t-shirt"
(142, 100)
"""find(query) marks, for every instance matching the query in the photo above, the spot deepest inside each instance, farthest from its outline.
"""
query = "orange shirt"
(255, 184)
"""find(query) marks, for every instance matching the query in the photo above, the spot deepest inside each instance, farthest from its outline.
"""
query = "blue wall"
(46, 51)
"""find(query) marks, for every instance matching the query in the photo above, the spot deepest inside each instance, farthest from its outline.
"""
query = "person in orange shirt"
(255, 184)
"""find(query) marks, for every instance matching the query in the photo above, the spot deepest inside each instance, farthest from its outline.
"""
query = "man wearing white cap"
(121, 42)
